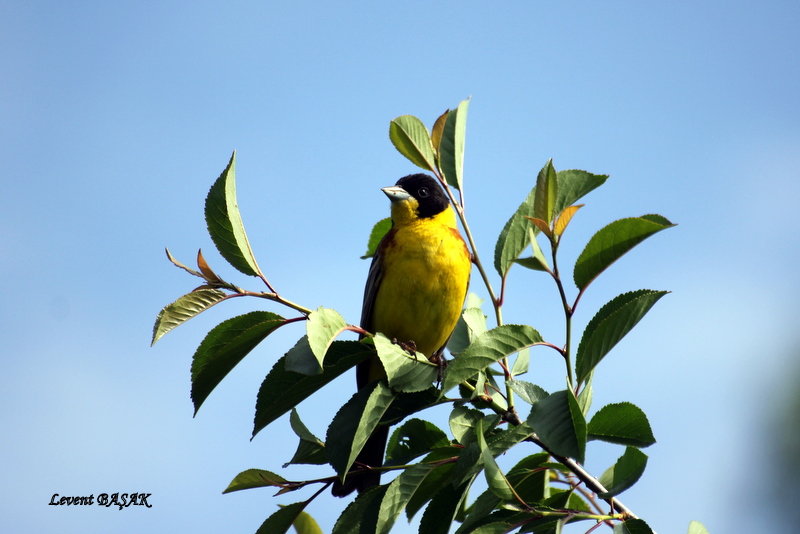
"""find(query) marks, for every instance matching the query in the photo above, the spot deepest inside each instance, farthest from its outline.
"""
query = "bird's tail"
(372, 455)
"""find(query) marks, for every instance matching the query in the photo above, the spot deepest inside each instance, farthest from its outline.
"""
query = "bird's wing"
(374, 279)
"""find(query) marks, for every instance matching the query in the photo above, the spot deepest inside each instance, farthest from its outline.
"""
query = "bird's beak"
(396, 193)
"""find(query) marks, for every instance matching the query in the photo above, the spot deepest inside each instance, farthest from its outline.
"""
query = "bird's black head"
(425, 189)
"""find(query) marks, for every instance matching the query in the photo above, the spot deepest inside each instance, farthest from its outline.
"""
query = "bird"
(415, 291)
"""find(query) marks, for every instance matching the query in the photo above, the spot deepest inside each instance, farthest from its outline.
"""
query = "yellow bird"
(415, 291)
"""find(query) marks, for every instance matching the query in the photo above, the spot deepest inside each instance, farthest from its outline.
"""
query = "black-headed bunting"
(415, 291)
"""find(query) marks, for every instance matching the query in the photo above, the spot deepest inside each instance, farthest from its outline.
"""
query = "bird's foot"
(440, 361)
(408, 346)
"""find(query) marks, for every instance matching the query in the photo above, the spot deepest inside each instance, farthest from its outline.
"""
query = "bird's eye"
(423, 192)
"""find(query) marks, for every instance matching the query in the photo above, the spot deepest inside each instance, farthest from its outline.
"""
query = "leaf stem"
(239, 292)
(269, 296)
(567, 312)
(492, 403)
(317, 494)
(475, 257)
(266, 282)
(554, 347)
(496, 303)
(579, 515)
(591, 497)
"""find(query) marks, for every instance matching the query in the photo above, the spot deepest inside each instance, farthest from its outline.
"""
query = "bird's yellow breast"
(425, 273)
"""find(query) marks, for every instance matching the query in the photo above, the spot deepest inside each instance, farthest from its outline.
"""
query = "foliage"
(542, 492)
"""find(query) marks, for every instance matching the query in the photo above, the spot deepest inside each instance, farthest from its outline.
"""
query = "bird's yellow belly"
(422, 293)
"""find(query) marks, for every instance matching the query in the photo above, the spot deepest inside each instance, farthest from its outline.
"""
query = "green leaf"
(459, 339)
(438, 130)
(443, 508)
(493, 387)
(538, 255)
(469, 463)
(612, 242)
(500, 442)
(310, 450)
(696, 527)
(495, 478)
(474, 301)
(362, 514)
(585, 396)
(513, 239)
(301, 359)
(533, 263)
(521, 363)
(490, 347)
(254, 478)
(496, 527)
(305, 524)
(411, 139)
(183, 309)
(623, 423)
(283, 389)
(354, 424)
(471, 324)
(609, 325)
(576, 502)
(451, 148)
(405, 372)
(300, 429)
(479, 387)
(439, 478)
(625, 473)
(546, 191)
(414, 438)
(476, 321)
(322, 327)
(551, 525)
(399, 493)
(282, 520)
(529, 480)
(462, 423)
(632, 526)
(225, 346)
(559, 499)
(490, 422)
(225, 222)
(559, 423)
(530, 393)
(479, 511)
(575, 184)
(408, 404)
(380, 229)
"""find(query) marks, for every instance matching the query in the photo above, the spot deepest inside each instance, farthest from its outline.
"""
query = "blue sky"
(116, 117)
